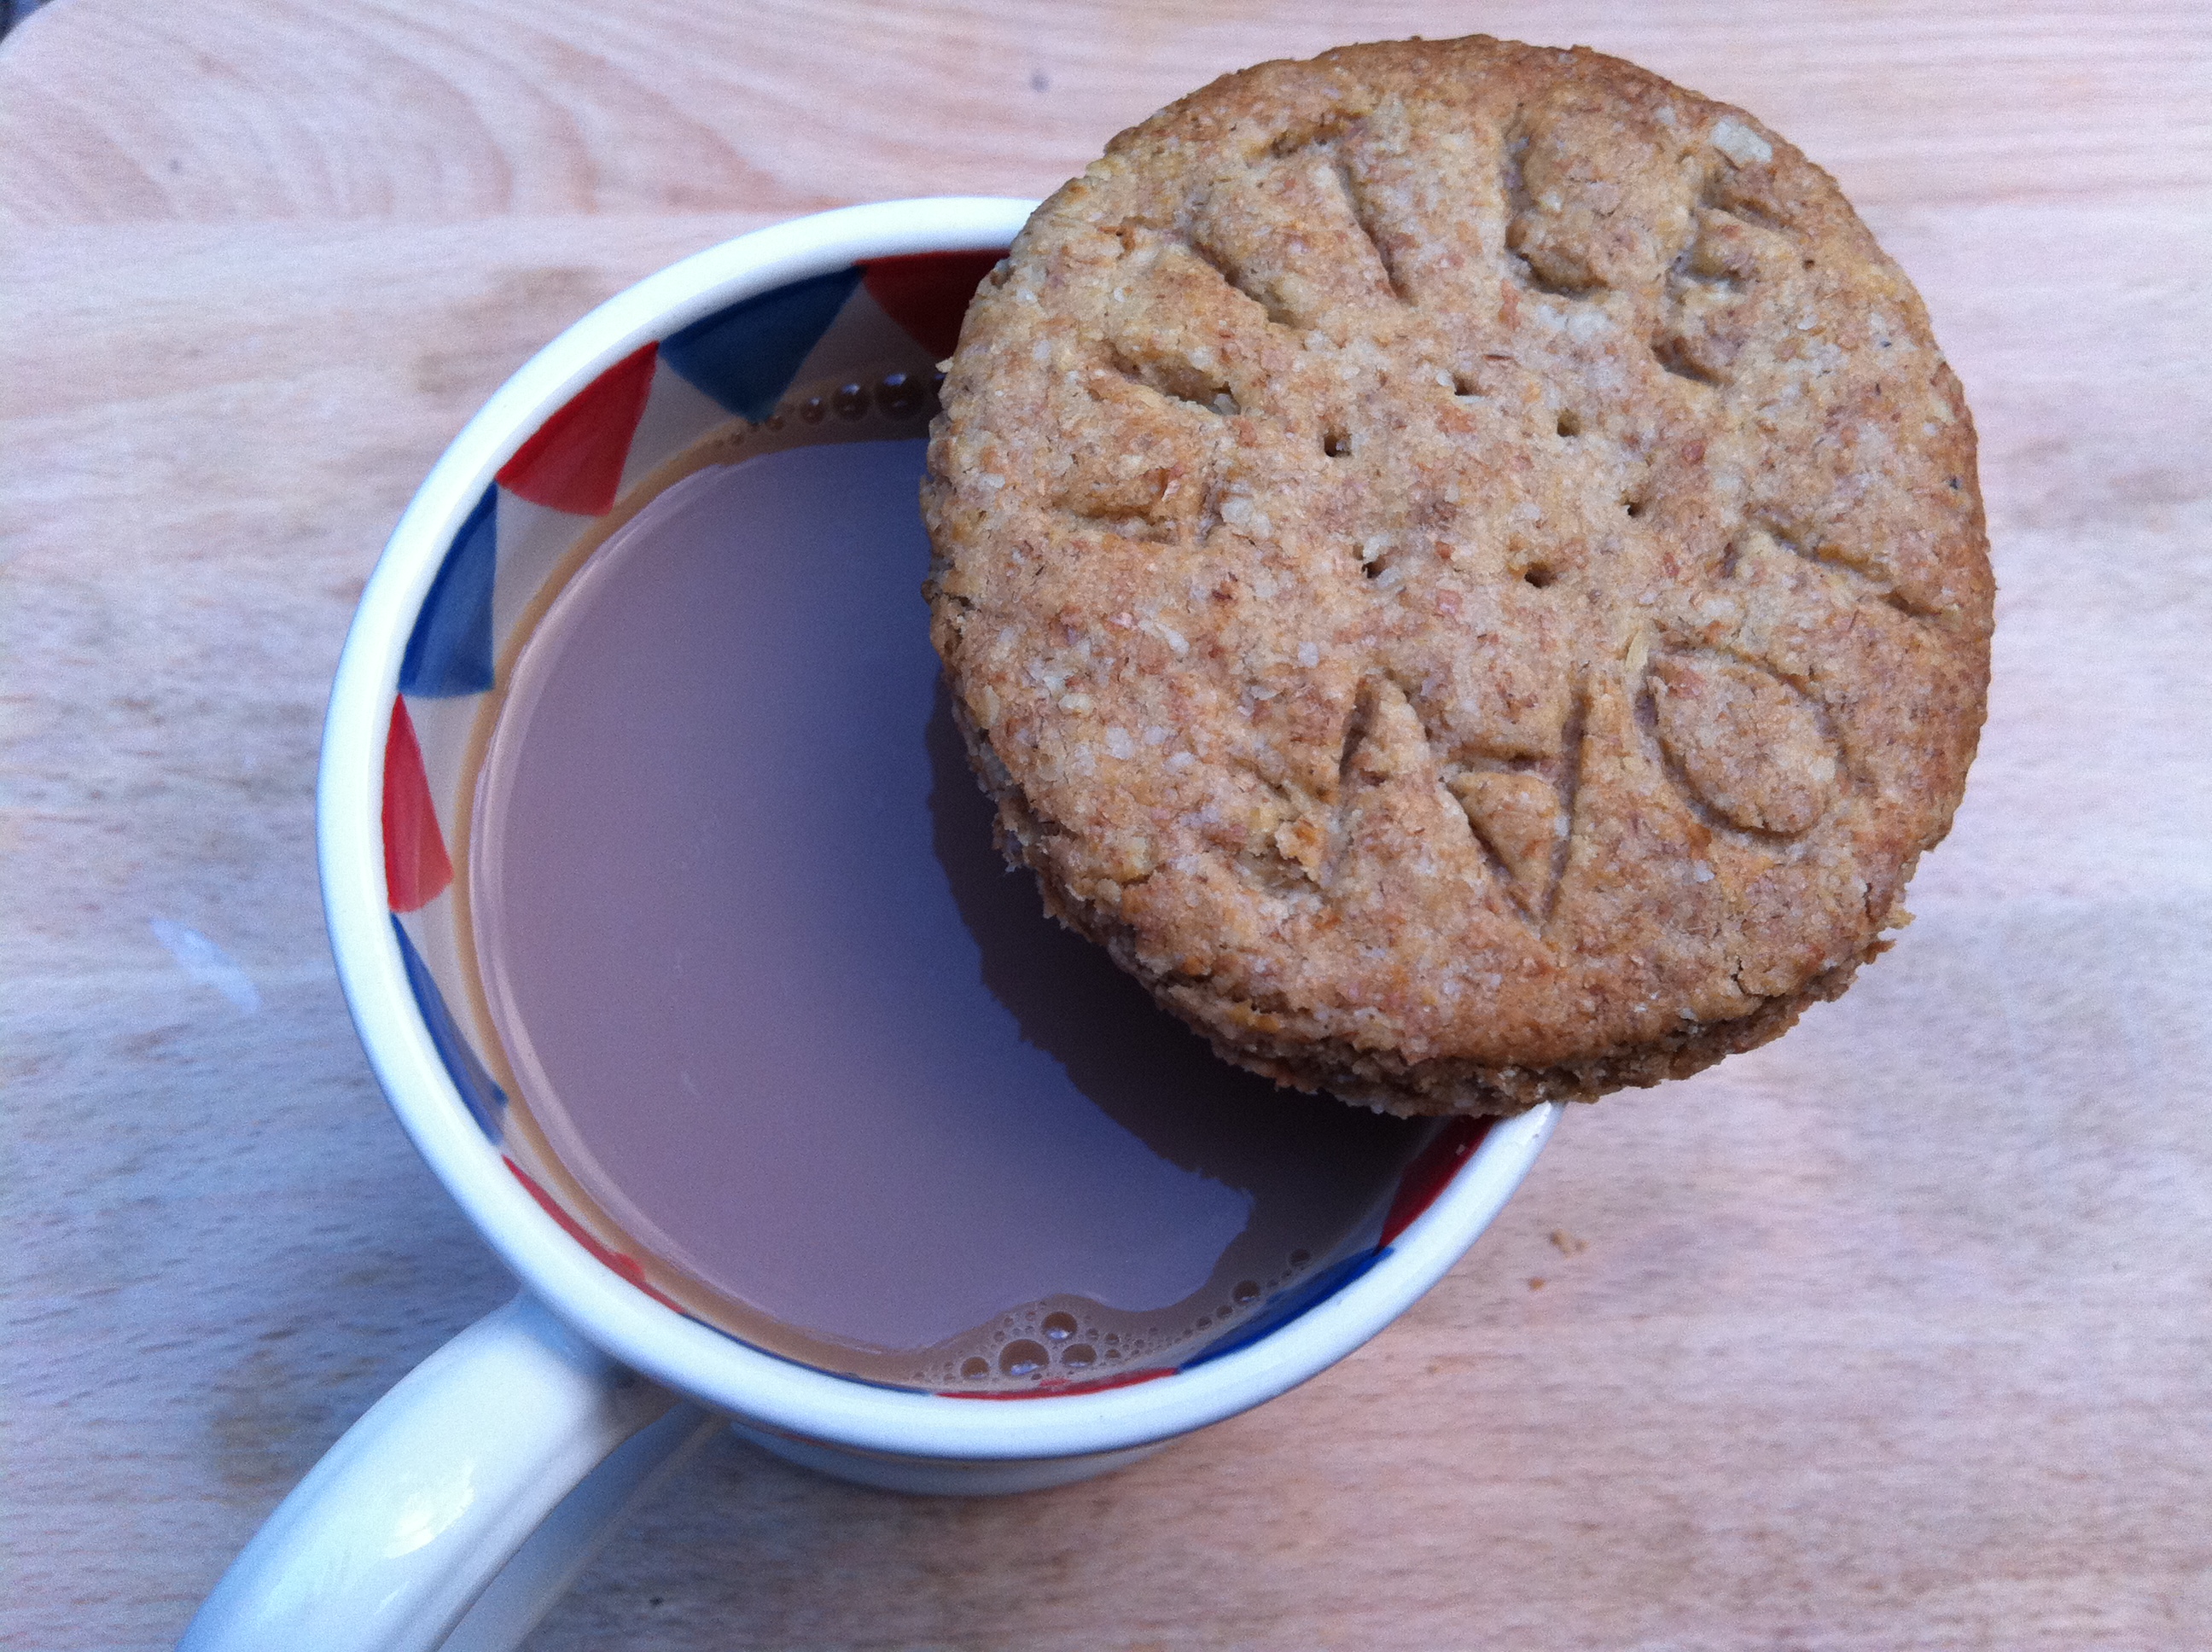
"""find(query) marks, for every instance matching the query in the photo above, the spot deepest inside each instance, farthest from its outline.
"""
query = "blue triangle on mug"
(485, 1100)
(1287, 1305)
(746, 356)
(449, 651)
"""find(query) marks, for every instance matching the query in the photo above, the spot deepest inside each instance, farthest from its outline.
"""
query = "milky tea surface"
(773, 999)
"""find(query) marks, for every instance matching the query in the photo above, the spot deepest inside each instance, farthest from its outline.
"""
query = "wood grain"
(1895, 1334)
(330, 108)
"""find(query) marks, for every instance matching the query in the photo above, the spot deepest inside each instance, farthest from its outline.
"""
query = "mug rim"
(767, 1390)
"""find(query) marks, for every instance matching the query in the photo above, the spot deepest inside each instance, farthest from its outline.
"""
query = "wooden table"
(1895, 1334)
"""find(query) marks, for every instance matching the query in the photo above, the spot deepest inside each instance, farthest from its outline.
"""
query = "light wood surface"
(1895, 1334)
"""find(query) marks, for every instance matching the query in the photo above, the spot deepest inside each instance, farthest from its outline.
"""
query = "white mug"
(458, 1509)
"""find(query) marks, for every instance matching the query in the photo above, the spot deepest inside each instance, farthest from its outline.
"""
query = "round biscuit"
(1462, 565)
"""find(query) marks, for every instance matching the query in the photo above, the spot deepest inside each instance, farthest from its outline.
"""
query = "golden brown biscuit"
(1462, 565)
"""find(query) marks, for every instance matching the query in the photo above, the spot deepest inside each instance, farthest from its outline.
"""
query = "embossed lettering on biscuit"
(1750, 745)
(1519, 818)
(1600, 202)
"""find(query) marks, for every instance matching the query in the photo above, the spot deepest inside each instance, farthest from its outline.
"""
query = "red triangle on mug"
(927, 293)
(575, 461)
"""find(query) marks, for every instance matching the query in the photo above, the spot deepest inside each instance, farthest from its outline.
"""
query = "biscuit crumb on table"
(1462, 565)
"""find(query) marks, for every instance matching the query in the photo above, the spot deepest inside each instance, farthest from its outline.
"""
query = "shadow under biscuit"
(1119, 1049)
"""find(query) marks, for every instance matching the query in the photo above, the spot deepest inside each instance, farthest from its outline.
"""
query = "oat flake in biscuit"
(1462, 565)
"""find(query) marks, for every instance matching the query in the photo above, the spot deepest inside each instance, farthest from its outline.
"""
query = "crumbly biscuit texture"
(1462, 565)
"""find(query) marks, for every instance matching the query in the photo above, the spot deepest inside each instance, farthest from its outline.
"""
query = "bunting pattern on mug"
(863, 339)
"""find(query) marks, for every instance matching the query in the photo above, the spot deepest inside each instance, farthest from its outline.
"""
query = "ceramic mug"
(458, 1509)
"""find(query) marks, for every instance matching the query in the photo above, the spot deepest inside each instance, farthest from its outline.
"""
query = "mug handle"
(461, 1507)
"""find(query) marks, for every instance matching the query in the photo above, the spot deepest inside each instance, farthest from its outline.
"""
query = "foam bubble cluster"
(1067, 1340)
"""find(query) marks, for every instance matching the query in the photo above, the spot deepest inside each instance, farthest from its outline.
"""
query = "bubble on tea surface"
(900, 395)
(974, 1369)
(1058, 1327)
(1078, 1356)
(1247, 1291)
(1022, 1358)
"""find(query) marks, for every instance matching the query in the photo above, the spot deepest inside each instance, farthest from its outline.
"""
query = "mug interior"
(826, 330)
